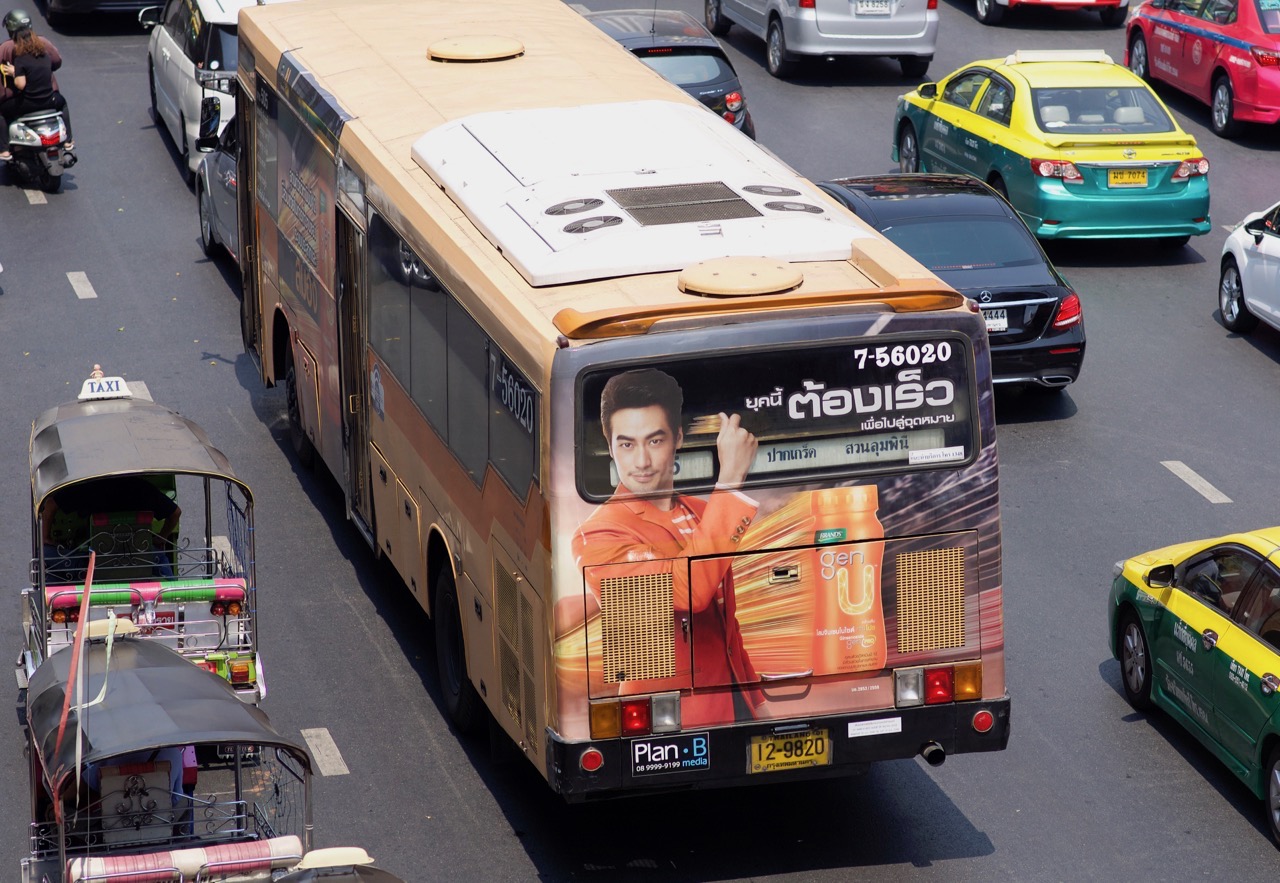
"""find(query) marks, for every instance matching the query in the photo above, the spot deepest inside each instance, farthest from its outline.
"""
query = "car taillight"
(1265, 57)
(932, 4)
(1069, 312)
(806, 4)
(1189, 168)
(733, 101)
(1052, 168)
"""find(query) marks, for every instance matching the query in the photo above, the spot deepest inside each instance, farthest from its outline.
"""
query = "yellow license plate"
(792, 751)
(1126, 177)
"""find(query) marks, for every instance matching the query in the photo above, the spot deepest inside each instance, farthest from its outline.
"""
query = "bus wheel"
(302, 446)
(1135, 663)
(461, 701)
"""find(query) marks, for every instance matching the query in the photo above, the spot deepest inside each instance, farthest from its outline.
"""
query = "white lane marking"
(80, 282)
(1198, 484)
(325, 751)
(35, 197)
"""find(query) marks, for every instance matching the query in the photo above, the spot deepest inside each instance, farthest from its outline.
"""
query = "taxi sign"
(104, 388)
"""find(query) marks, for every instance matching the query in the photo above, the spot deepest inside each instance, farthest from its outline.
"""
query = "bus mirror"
(210, 114)
(1160, 577)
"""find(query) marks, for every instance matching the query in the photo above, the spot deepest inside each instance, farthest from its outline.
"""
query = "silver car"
(903, 29)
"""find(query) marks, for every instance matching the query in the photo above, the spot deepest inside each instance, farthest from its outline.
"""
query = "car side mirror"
(1256, 229)
(149, 17)
(1159, 577)
(210, 115)
(928, 90)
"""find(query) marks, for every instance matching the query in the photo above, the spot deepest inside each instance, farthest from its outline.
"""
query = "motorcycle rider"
(13, 101)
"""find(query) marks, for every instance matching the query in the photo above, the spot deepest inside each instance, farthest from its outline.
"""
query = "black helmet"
(15, 21)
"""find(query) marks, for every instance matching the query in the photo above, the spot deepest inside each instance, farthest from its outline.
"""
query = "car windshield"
(687, 68)
(990, 249)
(222, 48)
(1101, 110)
(1269, 15)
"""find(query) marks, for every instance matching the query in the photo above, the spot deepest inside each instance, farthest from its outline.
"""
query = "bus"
(694, 472)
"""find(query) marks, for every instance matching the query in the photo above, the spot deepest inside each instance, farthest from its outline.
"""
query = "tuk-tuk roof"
(84, 440)
(154, 698)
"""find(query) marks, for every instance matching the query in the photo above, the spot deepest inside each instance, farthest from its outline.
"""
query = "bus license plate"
(1126, 177)
(997, 320)
(792, 751)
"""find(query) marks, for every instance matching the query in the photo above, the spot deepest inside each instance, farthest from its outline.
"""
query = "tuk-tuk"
(168, 523)
(148, 769)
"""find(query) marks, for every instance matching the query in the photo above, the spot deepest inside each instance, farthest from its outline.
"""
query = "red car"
(1224, 52)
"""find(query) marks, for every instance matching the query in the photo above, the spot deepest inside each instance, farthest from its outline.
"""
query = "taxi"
(1078, 144)
(1196, 627)
(1225, 53)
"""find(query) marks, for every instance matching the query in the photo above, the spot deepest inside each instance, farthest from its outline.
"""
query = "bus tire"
(1135, 662)
(302, 447)
(461, 701)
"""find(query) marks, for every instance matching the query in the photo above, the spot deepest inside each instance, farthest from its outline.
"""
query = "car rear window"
(687, 67)
(1100, 110)
(955, 247)
(1269, 15)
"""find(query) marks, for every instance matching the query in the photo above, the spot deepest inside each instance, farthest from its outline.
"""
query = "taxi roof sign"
(104, 388)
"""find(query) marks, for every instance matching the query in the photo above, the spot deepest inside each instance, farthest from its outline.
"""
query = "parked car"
(1249, 284)
(1078, 144)
(216, 187)
(1196, 627)
(677, 46)
(1034, 318)
(903, 29)
(1225, 53)
(1112, 12)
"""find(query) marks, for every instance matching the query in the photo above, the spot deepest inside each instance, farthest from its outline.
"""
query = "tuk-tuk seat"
(126, 542)
(137, 804)
(250, 862)
(134, 594)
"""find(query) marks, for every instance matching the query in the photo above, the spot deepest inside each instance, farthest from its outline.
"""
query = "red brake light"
(1052, 168)
(932, 4)
(208, 666)
(939, 685)
(1190, 168)
(1266, 57)
(1068, 312)
(238, 672)
(733, 101)
(806, 4)
(636, 718)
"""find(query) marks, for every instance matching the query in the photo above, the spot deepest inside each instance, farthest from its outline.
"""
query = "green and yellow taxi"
(1196, 628)
(1078, 144)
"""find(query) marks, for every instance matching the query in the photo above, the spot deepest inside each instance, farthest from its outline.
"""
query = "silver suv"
(903, 29)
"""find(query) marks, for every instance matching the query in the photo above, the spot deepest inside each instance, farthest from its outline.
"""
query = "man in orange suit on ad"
(648, 523)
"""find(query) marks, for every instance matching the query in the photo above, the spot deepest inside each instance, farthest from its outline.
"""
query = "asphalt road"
(1087, 790)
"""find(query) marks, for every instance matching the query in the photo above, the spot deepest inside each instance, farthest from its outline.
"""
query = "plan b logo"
(676, 754)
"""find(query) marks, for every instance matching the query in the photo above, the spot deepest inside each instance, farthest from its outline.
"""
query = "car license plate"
(1126, 177)
(873, 7)
(791, 751)
(997, 320)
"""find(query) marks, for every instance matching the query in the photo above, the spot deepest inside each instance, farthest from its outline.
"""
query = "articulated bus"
(694, 472)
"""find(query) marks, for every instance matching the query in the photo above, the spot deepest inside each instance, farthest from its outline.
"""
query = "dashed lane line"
(1198, 484)
(80, 282)
(325, 752)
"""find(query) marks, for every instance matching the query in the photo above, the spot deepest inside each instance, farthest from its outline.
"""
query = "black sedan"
(681, 49)
(969, 236)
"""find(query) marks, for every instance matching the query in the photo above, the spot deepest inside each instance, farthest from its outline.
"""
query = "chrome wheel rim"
(206, 227)
(1135, 658)
(775, 48)
(713, 13)
(908, 155)
(1229, 294)
(1138, 58)
(984, 6)
(1221, 106)
(1273, 796)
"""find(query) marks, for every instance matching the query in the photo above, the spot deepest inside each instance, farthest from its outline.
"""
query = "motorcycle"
(38, 144)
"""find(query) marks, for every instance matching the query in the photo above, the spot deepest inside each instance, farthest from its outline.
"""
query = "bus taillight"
(983, 721)
(939, 685)
(908, 687)
(606, 720)
(638, 716)
(637, 719)
(968, 681)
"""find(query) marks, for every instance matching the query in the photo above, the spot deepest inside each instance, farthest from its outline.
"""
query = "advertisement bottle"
(848, 621)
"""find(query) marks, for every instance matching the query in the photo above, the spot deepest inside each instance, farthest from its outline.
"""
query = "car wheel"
(302, 447)
(1222, 117)
(997, 184)
(776, 58)
(989, 12)
(914, 66)
(151, 82)
(185, 148)
(207, 241)
(713, 15)
(1135, 662)
(1113, 16)
(1273, 794)
(908, 149)
(1235, 312)
(461, 701)
(1138, 61)
(1173, 243)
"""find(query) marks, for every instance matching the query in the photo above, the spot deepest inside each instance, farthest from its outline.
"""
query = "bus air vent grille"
(637, 625)
(682, 203)
(930, 600)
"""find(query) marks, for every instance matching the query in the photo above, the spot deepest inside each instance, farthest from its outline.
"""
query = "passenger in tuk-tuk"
(68, 517)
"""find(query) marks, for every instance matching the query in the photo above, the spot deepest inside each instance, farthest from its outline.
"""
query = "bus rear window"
(886, 404)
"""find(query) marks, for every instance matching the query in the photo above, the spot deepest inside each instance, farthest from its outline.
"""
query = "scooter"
(38, 144)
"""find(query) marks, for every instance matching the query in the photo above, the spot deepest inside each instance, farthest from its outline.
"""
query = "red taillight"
(983, 721)
(806, 4)
(939, 685)
(591, 760)
(49, 140)
(734, 101)
(1190, 168)
(1265, 57)
(225, 608)
(636, 718)
(1053, 168)
(932, 4)
(238, 672)
(208, 666)
(1068, 312)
